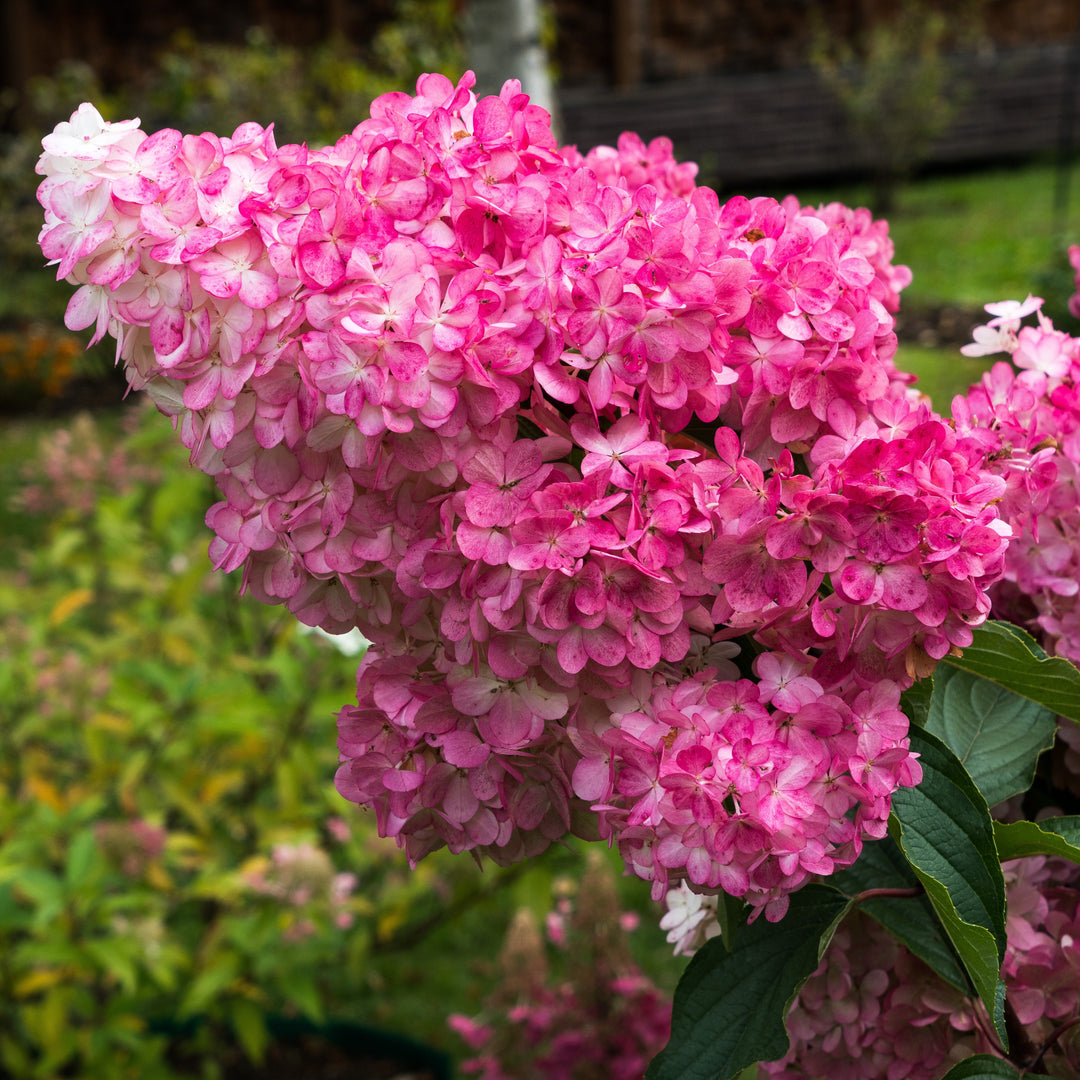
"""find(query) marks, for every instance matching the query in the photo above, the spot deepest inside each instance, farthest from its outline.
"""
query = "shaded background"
(731, 82)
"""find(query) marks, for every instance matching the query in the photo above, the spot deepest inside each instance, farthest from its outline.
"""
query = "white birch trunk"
(503, 42)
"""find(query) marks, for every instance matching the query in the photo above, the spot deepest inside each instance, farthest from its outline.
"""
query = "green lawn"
(972, 238)
(943, 373)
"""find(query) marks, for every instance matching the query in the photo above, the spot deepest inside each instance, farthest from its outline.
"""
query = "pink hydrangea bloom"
(445, 374)
(1030, 422)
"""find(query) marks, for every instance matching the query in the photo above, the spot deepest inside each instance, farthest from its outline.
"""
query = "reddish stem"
(874, 894)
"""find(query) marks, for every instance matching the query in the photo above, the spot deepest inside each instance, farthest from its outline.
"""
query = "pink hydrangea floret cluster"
(873, 1010)
(302, 877)
(598, 1016)
(562, 1039)
(1028, 413)
(552, 431)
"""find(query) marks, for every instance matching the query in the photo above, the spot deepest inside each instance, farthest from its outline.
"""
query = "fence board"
(783, 125)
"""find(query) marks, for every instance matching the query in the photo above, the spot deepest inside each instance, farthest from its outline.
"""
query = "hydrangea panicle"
(547, 428)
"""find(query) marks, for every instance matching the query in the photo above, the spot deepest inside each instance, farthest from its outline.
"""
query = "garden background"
(171, 845)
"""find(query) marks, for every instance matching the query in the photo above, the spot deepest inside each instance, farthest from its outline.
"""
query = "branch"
(874, 894)
(1037, 1061)
(1021, 1048)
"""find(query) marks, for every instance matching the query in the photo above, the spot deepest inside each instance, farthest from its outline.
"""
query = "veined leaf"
(997, 734)
(982, 1067)
(915, 701)
(1054, 836)
(732, 1000)
(944, 829)
(1008, 656)
(911, 919)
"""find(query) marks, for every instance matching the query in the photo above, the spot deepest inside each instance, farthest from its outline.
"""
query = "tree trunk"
(503, 41)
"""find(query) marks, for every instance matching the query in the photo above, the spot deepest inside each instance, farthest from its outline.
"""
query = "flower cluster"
(690, 920)
(131, 846)
(874, 1010)
(552, 430)
(597, 1018)
(302, 877)
(1074, 261)
(74, 466)
(1029, 417)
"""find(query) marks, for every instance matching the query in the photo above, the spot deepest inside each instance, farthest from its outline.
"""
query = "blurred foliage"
(571, 1000)
(171, 844)
(310, 95)
(39, 360)
(896, 86)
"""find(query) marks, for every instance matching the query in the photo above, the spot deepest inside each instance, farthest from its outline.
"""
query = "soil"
(300, 1050)
(313, 1058)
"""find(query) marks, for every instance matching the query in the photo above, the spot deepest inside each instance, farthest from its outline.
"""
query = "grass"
(943, 373)
(971, 238)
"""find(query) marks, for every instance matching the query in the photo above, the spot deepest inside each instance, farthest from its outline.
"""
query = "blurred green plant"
(313, 95)
(170, 844)
(39, 360)
(580, 1008)
(896, 86)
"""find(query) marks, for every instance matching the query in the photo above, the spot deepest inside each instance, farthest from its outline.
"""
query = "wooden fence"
(785, 125)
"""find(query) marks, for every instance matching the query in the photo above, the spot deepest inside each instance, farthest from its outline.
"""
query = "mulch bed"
(300, 1050)
(314, 1058)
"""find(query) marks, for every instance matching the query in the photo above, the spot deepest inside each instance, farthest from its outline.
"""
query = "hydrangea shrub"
(653, 541)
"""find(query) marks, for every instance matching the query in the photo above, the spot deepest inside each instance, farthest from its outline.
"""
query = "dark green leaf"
(730, 1006)
(209, 984)
(1010, 657)
(911, 919)
(730, 914)
(81, 856)
(944, 829)
(915, 701)
(982, 1067)
(250, 1026)
(997, 734)
(1054, 836)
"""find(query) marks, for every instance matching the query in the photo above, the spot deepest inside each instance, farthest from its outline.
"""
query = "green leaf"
(1054, 836)
(915, 701)
(1010, 657)
(303, 993)
(911, 919)
(81, 856)
(44, 890)
(117, 957)
(13, 916)
(982, 1067)
(248, 1022)
(997, 734)
(731, 913)
(223, 969)
(944, 829)
(730, 1006)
